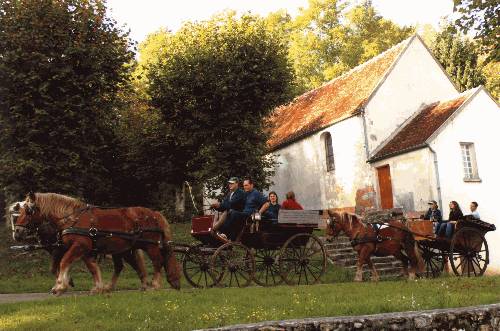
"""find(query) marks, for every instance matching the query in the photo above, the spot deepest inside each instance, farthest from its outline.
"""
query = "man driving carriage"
(236, 219)
(234, 201)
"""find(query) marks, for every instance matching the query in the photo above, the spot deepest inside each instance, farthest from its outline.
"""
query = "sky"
(146, 16)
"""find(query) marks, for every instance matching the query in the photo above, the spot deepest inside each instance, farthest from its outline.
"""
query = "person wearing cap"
(234, 201)
(433, 214)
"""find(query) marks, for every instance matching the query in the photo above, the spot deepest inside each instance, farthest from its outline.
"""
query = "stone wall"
(484, 318)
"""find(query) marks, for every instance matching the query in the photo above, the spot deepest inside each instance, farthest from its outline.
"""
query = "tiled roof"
(338, 99)
(418, 129)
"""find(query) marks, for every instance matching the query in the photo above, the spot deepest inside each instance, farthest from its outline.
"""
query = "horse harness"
(135, 236)
(377, 239)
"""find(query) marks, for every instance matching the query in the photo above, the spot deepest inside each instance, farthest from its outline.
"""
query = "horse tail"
(171, 266)
(167, 233)
(411, 247)
(420, 260)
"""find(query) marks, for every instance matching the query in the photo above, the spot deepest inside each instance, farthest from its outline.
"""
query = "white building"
(392, 132)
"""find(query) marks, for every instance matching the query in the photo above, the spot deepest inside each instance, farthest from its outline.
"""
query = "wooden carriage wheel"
(234, 264)
(469, 255)
(266, 267)
(196, 268)
(434, 260)
(302, 260)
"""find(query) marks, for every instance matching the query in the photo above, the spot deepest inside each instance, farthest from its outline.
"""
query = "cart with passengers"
(286, 251)
(466, 251)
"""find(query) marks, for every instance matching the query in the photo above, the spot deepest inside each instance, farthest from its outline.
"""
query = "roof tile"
(419, 128)
(338, 99)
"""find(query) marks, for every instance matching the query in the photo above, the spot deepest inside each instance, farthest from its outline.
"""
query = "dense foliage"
(214, 82)
(459, 57)
(327, 38)
(61, 65)
(482, 17)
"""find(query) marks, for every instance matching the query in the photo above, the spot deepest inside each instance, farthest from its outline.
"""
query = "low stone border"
(484, 318)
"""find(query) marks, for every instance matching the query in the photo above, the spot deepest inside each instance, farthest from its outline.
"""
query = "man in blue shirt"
(236, 221)
(234, 201)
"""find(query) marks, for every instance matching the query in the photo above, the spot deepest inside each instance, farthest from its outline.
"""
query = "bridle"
(332, 224)
(30, 226)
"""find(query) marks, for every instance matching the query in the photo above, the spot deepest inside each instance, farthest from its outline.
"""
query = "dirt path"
(20, 297)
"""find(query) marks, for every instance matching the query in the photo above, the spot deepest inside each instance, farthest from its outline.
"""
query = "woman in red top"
(290, 202)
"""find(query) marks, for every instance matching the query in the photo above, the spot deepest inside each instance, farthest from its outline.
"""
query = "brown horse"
(87, 230)
(393, 240)
(47, 235)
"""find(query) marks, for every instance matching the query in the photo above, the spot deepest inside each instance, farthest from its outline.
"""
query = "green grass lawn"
(190, 309)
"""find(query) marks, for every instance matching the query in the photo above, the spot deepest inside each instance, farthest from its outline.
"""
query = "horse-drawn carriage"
(266, 253)
(467, 250)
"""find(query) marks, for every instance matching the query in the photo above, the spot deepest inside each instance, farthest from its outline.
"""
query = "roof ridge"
(352, 70)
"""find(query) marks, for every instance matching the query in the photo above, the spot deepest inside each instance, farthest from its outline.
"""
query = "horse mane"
(57, 205)
(346, 217)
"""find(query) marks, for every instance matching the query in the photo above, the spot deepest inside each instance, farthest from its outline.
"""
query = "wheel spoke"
(312, 273)
(461, 262)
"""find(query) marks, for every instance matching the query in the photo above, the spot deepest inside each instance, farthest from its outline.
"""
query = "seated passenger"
(236, 219)
(433, 214)
(447, 227)
(270, 209)
(234, 200)
(473, 210)
(290, 202)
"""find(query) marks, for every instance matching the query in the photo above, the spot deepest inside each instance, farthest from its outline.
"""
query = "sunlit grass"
(190, 308)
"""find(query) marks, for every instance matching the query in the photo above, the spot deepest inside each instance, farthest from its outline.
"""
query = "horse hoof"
(108, 288)
(56, 292)
(98, 290)
(176, 285)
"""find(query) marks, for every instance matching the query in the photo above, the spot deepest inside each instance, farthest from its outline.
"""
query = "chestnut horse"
(393, 240)
(47, 235)
(87, 230)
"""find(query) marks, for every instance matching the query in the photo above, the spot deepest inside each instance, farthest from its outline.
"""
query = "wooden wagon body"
(267, 252)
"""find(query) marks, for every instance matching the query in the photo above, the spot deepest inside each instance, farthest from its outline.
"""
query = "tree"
(214, 85)
(481, 16)
(61, 65)
(491, 72)
(459, 57)
(328, 38)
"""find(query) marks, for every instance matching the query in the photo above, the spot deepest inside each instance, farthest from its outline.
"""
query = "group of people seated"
(238, 205)
(446, 227)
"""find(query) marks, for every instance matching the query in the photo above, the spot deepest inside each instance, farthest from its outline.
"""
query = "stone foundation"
(484, 318)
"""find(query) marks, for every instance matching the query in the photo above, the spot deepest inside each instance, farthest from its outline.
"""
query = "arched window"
(329, 157)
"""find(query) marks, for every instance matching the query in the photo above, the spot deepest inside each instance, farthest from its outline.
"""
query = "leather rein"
(136, 236)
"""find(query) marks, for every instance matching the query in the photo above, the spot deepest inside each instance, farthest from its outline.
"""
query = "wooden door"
(385, 187)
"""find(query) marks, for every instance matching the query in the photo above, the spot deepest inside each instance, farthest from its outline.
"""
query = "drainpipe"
(365, 134)
(436, 170)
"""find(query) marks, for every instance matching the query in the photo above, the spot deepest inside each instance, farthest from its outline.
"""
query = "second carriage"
(466, 251)
(264, 252)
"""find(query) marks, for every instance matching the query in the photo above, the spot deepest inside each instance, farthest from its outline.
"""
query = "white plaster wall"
(415, 81)
(478, 122)
(302, 168)
(413, 179)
